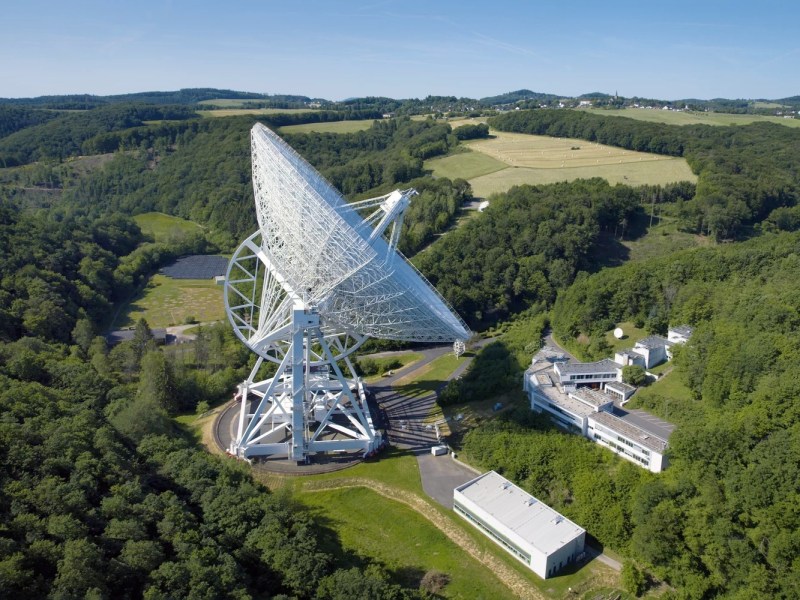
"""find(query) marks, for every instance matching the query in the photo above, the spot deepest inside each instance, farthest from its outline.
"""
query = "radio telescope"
(304, 292)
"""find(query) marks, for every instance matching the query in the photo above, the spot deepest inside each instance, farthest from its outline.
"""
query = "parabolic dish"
(322, 248)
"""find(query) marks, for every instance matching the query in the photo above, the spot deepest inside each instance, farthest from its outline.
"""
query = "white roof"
(530, 521)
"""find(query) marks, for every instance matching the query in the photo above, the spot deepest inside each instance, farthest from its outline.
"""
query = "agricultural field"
(164, 228)
(672, 117)
(329, 127)
(464, 165)
(537, 159)
(234, 112)
(165, 301)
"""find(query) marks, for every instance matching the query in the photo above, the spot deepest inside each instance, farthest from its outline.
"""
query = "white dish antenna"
(305, 291)
(618, 333)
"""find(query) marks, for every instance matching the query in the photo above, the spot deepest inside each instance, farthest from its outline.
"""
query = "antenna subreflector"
(305, 291)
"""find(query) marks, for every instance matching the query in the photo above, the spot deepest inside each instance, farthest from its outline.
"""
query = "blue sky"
(401, 49)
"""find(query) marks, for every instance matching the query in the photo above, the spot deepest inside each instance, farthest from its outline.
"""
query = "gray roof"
(630, 431)
(552, 395)
(684, 330)
(601, 366)
(653, 341)
(593, 397)
(621, 387)
(525, 517)
(632, 353)
(126, 335)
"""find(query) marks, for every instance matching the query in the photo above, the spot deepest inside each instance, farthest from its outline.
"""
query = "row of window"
(508, 545)
(622, 450)
(593, 376)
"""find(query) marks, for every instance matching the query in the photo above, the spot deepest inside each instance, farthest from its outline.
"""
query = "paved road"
(441, 475)
(643, 419)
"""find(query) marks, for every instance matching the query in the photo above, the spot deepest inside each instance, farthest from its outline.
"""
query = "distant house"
(646, 353)
(679, 334)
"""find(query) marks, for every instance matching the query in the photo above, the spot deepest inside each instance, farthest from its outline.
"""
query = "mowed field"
(509, 159)
(672, 117)
(165, 227)
(234, 112)
(166, 301)
(329, 127)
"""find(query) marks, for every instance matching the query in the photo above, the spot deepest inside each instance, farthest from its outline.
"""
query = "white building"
(629, 441)
(679, 334)
(571, 374)
(589, 411)
(528, 529)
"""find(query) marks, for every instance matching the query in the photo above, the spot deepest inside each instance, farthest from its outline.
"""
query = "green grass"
(165, 301)
(632, 335)
(329, 127)
(383, 362)
(235, 112)
(662, 239)
(672, 117)
(402, 540)
(669, 399)
(644, 173)
(165, 228)
(465, 165)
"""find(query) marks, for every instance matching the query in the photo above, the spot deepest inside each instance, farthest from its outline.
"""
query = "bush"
(634, 375)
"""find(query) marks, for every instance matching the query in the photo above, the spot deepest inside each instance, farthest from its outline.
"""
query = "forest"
(101, 495)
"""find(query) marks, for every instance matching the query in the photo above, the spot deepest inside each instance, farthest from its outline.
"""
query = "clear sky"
(402, 48)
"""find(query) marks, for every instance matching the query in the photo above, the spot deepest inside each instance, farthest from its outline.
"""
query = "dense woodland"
(102, 496)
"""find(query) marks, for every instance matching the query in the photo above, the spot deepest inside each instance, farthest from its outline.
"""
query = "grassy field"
(466, 165)
(404, 358)
(672, 117)
(329, 127)
(166, 301)
(163, 227)
(662, 239)
(632, 335)
(233, 112)
(402, 540)
(537, 159)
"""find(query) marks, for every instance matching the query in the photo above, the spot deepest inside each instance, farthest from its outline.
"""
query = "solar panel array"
(198, 266)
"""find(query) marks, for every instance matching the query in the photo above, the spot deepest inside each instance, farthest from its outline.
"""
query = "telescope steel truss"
(305, 291)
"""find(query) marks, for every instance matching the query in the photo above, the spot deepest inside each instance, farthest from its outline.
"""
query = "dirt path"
(517, 584)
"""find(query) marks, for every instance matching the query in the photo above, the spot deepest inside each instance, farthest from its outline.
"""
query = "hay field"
(329, 127)
(235, 112)
(672, 117)
(537, 159)
(466, 165)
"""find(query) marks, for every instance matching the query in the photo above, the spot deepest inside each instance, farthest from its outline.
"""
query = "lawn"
(669, 399)
(383, 362)
(402, 540)
(672, 117)
(235, 112)
(538, 159)
(165, 301)
(329, 127)
(631, 335)
(165, 228)
(464, 165)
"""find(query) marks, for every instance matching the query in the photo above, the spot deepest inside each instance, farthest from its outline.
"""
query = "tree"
(633, 579)
(157, 383)
(634, 375)
(83, 334)
(142, 336)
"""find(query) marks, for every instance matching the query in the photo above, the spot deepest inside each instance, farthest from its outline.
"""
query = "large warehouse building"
(530, 530)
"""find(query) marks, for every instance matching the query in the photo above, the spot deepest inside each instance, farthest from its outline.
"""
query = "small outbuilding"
(528, 529)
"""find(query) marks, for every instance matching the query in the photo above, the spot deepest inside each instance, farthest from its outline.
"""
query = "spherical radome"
(618, 333)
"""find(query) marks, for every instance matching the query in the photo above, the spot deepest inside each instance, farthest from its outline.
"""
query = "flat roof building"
(629, 441)
(528, 529)
(571, 374)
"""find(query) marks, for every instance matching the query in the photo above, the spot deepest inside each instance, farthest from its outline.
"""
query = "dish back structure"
(305, 291)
